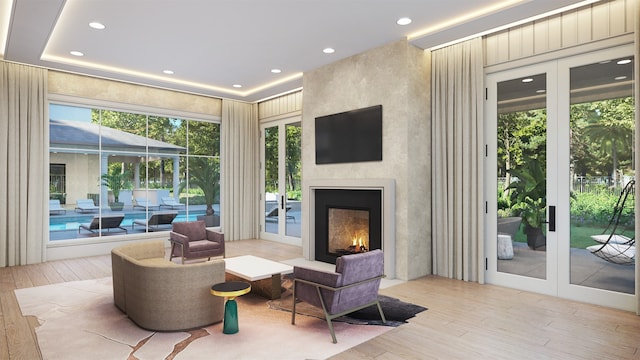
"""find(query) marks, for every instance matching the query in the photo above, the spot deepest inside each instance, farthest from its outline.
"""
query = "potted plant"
(205, 174)
(116, 181)
(528, 198)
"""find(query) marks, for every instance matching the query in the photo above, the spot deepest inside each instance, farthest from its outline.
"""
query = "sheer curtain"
(24, 142)
(457, 138)
(239, 183)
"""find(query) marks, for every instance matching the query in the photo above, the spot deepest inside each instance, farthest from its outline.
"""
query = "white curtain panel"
(457, 143)
(239, 157)
(24, 142)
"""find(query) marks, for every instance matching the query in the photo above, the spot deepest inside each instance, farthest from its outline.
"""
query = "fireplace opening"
(347, 222)
(348, 231)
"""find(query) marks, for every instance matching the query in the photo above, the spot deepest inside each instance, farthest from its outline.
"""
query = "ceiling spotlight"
(76, 53)
(237, 86)
(624, 62)
(527, 80)
(403, 21)
(620, 78)
(96, 25)
(329, 50)
(276, 71)
(168, 72)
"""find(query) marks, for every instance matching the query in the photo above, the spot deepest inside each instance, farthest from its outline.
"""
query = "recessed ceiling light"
(168, 72)
(237, 85)
(624, 62)
(620, 77)
(97, 25)
(276, 71)
(527, 80)
(541, 91)
(76, 53)
(403, 21)
(329, 50)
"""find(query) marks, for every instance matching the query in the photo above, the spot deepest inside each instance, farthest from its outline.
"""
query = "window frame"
(149, 112)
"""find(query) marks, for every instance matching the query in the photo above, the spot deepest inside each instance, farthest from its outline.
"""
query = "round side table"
(230, 290)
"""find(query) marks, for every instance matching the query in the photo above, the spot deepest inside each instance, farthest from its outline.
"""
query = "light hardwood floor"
(464, 320)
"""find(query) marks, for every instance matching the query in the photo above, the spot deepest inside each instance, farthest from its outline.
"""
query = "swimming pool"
(72, 222)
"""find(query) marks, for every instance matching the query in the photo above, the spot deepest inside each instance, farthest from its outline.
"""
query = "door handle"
(281, 202)
(552, 218)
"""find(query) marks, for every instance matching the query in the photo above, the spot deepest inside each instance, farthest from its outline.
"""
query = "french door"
(281, 195)
(560, 150)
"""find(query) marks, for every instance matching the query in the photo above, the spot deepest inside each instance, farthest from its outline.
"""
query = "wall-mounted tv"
(351, 136)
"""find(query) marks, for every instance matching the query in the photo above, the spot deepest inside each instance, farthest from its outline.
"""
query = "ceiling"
(212, 45)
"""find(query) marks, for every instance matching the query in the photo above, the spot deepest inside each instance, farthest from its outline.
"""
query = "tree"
(293, 157)
(116, 180)
(204, 172)
(610, 123)
(521, 138)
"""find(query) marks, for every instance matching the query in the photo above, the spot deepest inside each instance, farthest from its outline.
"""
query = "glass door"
(560, 178)
(281, 181)
(522, 130)
(597, 98)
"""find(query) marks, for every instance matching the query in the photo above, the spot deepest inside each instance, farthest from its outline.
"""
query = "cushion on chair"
(194, 230)
(202, 245)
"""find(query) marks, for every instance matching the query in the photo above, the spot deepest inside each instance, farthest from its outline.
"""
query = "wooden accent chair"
(192, 240)
(353, 286)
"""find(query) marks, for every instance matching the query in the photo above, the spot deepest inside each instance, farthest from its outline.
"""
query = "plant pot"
(509, 225)
(210, 220)
(116, 206)
(535, 238)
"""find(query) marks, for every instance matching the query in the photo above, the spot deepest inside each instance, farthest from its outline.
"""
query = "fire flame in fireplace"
(357, 243)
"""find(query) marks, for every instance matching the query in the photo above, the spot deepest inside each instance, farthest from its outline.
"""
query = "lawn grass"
(580, 235)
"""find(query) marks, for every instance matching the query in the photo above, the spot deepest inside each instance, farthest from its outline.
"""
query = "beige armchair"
(192, 240)
(160, 295)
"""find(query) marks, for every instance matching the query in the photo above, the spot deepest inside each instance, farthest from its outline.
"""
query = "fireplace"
(381, 238)
(347, 222)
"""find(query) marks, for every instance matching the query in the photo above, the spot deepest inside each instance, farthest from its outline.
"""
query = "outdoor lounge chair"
(273, 214)
(86, 205)
(144, 203)
(156, 220)
(55, 207)
(108, 222)
(171, 203)
(353, 286)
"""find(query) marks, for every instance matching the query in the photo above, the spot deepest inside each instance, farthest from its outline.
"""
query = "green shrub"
(597, 208)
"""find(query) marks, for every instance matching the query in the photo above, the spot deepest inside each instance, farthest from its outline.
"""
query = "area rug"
(78, 321)
(396, 312)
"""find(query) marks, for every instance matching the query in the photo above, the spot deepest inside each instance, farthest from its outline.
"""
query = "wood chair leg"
(293, 310)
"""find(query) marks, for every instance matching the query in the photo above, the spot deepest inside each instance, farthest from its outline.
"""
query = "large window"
(122, 173)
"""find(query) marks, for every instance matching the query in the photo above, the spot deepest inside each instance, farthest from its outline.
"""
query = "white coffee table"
(265, 275)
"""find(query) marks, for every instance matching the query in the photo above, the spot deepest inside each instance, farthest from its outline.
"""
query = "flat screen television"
(351, 136)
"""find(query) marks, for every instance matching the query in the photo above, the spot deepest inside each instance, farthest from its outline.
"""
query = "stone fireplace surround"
(387, 187)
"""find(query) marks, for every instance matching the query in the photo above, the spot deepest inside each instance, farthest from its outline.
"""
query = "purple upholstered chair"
(192, 240)
(353, 286)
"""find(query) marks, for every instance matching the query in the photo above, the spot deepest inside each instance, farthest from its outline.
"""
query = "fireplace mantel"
(387, 186)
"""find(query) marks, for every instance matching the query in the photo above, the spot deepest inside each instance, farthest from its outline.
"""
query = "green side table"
(230, 290)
